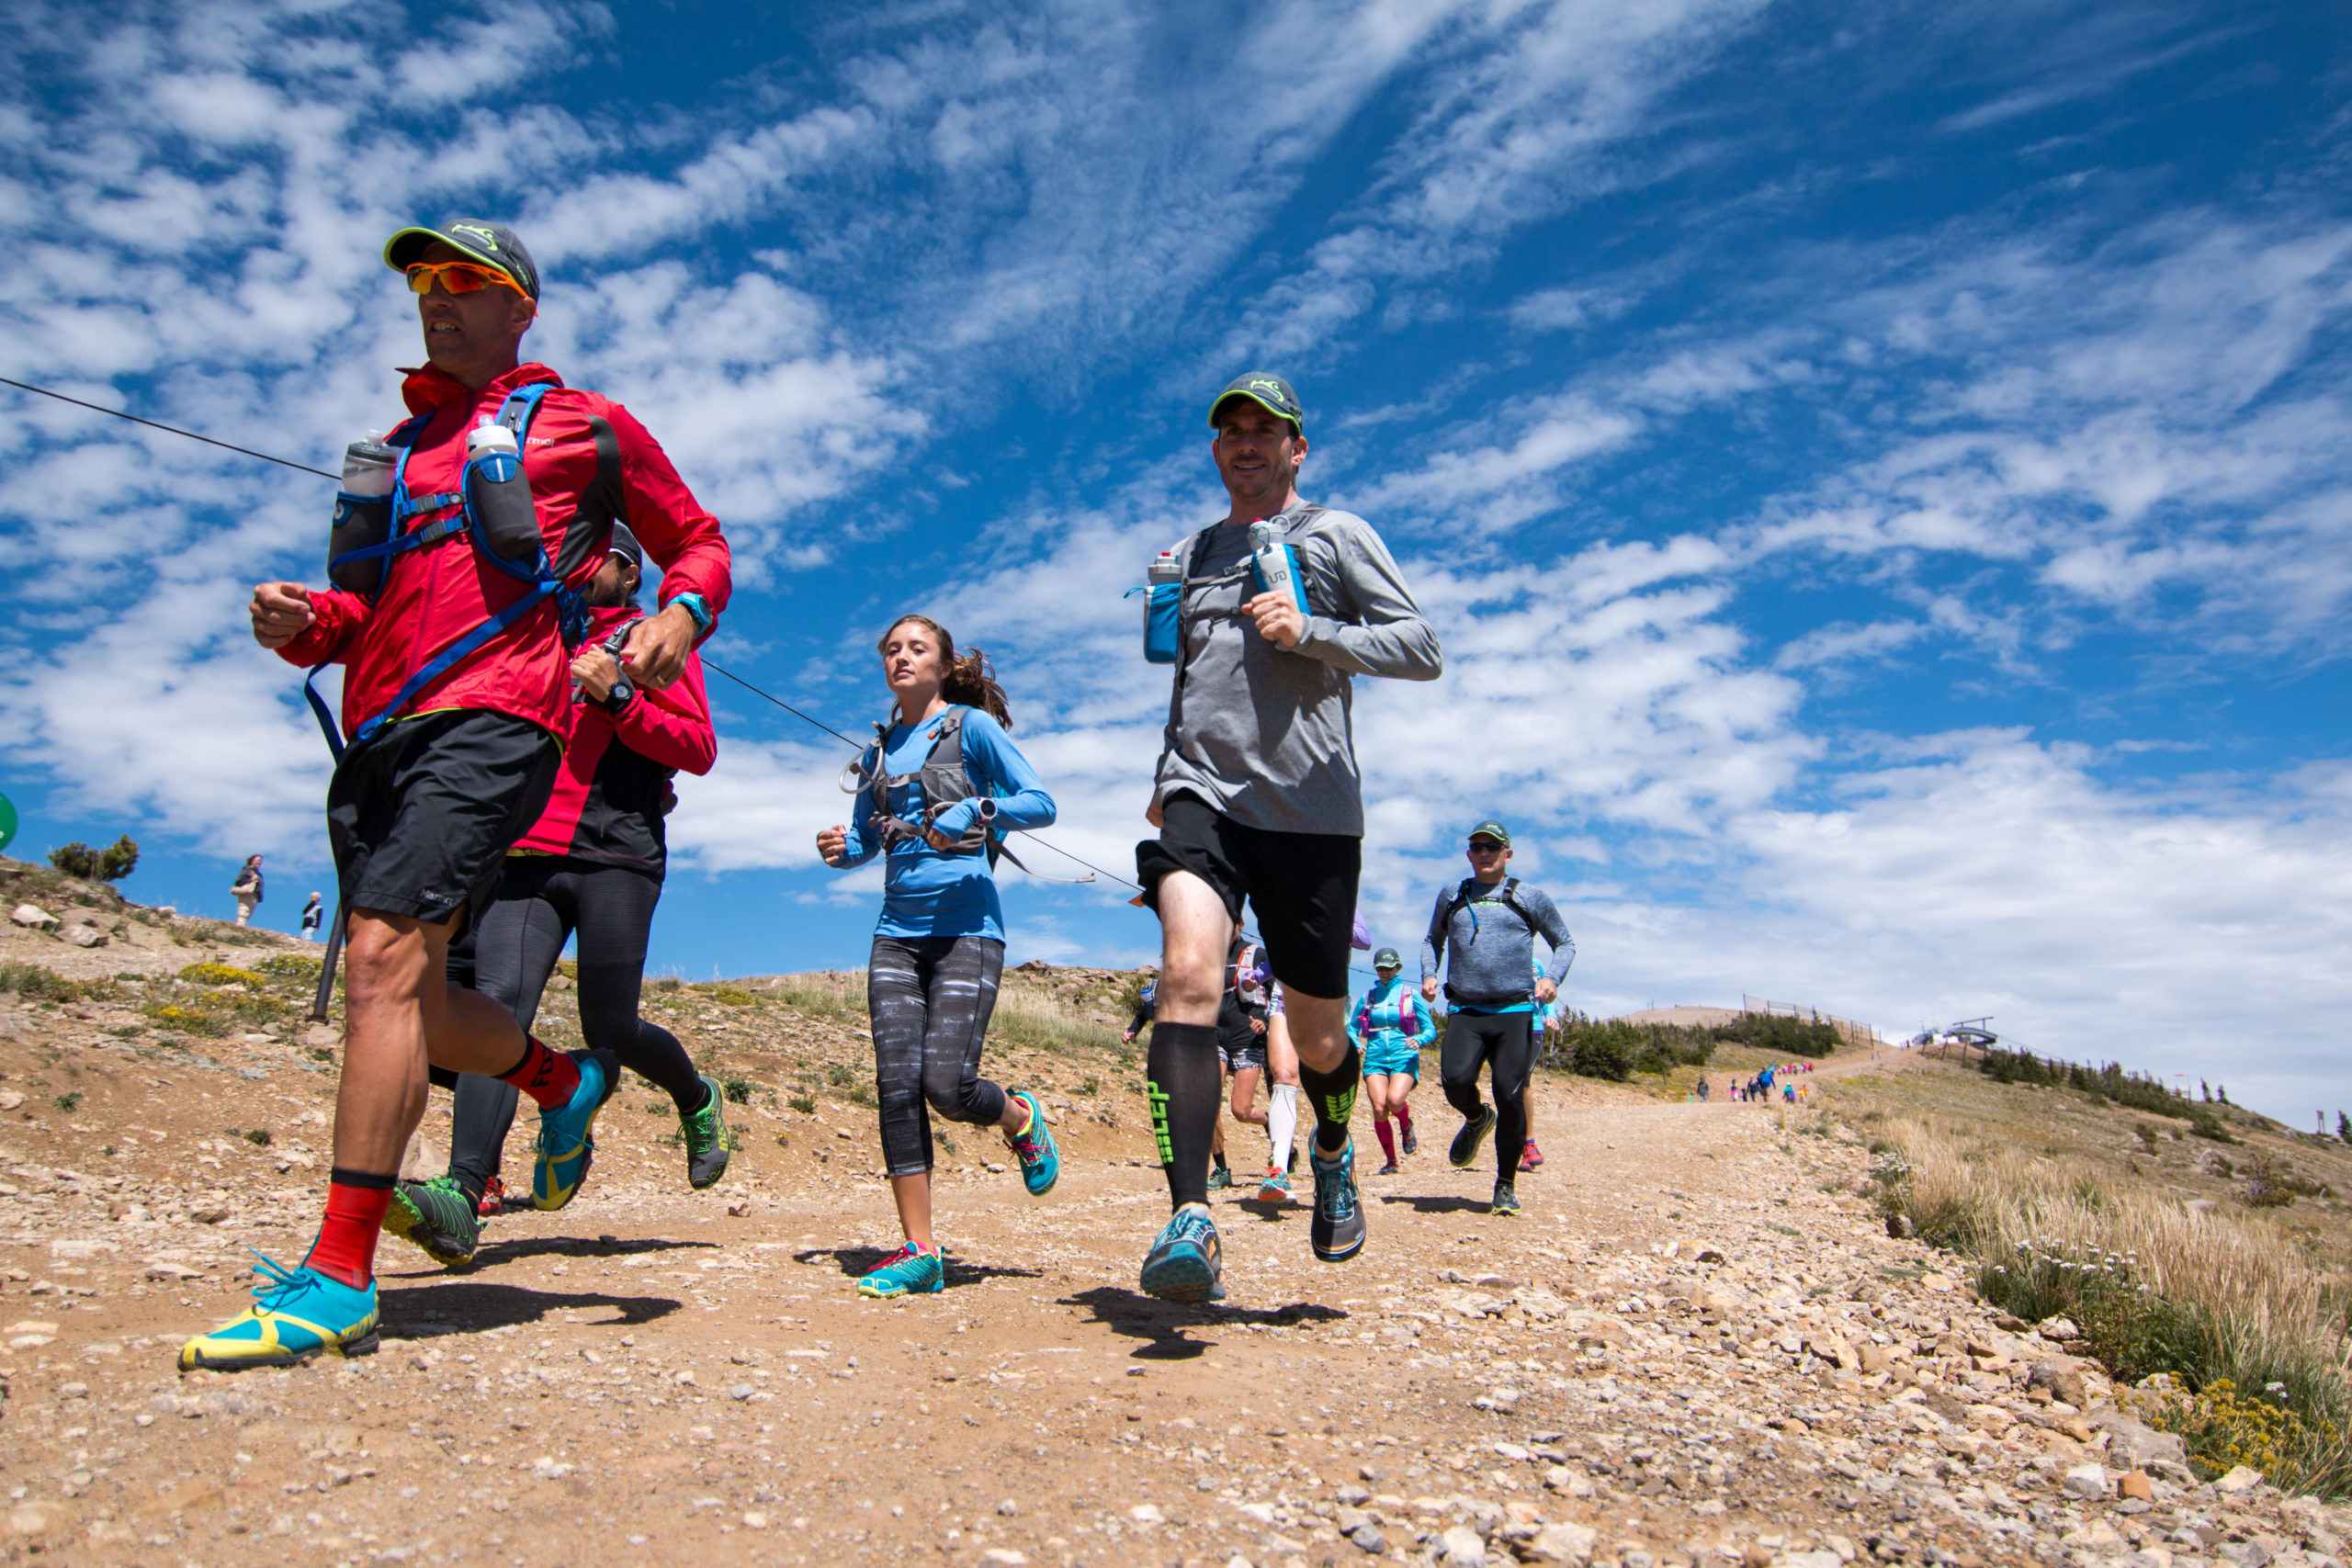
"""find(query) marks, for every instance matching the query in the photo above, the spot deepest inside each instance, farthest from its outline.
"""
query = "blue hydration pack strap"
(571, 610)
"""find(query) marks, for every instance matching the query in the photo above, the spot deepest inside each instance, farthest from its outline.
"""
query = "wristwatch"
(624, 693)
(699, 608)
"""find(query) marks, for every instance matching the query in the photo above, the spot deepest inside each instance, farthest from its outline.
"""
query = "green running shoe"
(1186, 1259)
(1506, 1204)
(1337, 1230)
(911, 1272)
(297, 1314)
(1041, 1157)
(438, 1218)
(707, 1143)
(1471, 1138)
(566, 1145)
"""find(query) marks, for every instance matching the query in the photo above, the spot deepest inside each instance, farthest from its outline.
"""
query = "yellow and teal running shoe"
(1506, 1204)
(1041, 1158)
(911, 1272)
(706, 1139)
(1337, 1231)
(1186, 1259)
(297, 1314)
(566, 1146)
(438, 1218)
(1471, 1138)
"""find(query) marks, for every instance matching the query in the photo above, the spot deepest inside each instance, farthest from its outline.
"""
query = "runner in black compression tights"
(591, 867)
(1485, 927)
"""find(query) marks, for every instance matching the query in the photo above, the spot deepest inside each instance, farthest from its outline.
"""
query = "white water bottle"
(499, 492)
(1274, 565)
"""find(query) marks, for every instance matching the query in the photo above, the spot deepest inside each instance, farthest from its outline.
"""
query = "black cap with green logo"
(1387, 958)
(1490, 828)
(1268, 391)
(492, 244)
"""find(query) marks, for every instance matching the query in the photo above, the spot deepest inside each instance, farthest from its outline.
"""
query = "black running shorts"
(421, 816)
(1303, 887)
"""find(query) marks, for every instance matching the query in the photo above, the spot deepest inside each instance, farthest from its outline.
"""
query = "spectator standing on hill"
(246, 889)
(312, 913)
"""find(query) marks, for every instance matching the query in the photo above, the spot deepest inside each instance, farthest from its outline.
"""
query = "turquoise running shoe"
(297, 1314)
(1274, 1187)
(911, 1272)
(1337, 1231)
(1187, 1262)
(1041, 1157)
(1220, 1176)
(706, 1139)
(438, 1217)
(566, 1146)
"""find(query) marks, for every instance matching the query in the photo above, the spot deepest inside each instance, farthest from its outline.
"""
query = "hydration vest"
(942, 781)
(452, 513)
(1243, 982)
(1463, 894)
(1394, 1011)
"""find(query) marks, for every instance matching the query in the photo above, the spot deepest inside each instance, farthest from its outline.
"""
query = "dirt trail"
(1697, 1344)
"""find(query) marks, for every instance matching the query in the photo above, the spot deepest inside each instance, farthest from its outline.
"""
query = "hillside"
(1699, 1345)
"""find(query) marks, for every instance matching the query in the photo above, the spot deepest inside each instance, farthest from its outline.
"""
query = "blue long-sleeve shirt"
(926, 893)
(1493, 951)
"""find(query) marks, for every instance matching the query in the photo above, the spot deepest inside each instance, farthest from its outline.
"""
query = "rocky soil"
(1698, 1345)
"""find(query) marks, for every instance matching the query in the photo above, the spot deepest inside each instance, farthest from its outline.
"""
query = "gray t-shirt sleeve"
(1386, 634)
(1552, 929)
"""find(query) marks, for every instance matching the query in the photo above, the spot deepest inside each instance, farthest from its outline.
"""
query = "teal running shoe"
(1041, 1157)
(911, 1272)
(1337, 1230)
(1506, 1204)
(1471, 1138)
(707, 1141)
(297, 1314)
(1220, 1176)
(1186, 1260)
(1274, 1187)
(438, 1218)
(566, 1146)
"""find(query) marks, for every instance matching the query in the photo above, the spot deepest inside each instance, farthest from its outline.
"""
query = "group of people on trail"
(512, 718)
(1785, 1076)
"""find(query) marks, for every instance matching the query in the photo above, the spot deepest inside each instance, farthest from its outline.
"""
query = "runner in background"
(1392, 1024)
(939, 787)
(1281, 1066)
(1240, 1043)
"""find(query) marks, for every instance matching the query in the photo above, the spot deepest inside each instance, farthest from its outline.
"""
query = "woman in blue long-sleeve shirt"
(942, 784)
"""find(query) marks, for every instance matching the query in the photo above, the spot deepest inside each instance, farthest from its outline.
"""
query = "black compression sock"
(1333, 1095)
(1183, 1081)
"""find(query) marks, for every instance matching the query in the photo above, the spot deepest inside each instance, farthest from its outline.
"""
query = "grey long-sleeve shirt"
(1267, 737)
(1493, 967)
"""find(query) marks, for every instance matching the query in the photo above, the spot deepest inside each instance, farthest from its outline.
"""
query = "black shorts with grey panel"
(1303, 887)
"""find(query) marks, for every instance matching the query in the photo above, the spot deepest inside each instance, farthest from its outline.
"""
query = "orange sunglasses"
(457, 277)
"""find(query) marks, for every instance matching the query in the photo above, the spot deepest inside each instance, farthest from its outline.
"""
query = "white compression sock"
(1281, 1121)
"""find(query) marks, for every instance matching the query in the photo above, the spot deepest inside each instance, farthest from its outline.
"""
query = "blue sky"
(1883, 483)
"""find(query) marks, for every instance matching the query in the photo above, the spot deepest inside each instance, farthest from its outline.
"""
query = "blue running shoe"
(1185, 1263)
(297, 1314)
(911, 1272)
(565, 1147)
(1337, 1230)
(1041, 1157)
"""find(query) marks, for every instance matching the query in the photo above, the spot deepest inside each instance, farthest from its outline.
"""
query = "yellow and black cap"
(492, 244)
(1268, 391)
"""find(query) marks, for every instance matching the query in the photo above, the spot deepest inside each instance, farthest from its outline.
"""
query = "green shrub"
(1615, 1050)
(732, 995)
(2222, 1429)
(1780, 1035)
(112, 863)
(805, 1104)
(258, 1137)
(32, 980)
(290, 967)
(69, 1102)
(189, 1020)
(736, 1088)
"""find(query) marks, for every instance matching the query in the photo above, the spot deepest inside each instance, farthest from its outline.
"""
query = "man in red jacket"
(439, 780)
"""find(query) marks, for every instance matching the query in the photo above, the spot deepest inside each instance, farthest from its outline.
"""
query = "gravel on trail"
(1696, 1346)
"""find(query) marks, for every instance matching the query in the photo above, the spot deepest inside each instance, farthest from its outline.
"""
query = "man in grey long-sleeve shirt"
(1258, 799)
(1489, 923)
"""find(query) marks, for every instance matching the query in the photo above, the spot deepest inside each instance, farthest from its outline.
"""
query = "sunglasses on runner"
(1483, 846)
(457, 277)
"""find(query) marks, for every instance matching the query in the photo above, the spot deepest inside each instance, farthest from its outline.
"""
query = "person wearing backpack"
(937, 792)
(461, 545)
(589, 870)
(1267, 617)
(246, 889)
(1485, 929)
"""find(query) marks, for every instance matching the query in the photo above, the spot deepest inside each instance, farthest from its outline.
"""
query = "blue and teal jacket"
(1391, 1013)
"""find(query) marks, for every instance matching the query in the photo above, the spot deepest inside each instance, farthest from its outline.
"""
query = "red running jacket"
(614, 790)
(438, 594)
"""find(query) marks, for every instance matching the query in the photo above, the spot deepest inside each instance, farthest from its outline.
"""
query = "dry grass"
(2211, 1292)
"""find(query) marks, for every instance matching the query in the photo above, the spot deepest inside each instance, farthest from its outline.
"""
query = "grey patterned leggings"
(931, 997)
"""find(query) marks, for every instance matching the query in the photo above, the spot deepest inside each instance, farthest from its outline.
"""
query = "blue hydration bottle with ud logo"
(1162, 622)
(363, 516)
(499, 493)
(1273, 565)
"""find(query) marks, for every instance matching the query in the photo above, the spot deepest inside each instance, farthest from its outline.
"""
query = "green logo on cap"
(489, 239)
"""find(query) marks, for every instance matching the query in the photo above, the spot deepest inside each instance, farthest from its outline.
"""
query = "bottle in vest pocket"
(1161, 628)
(500, 495)
(1273, 565)
(363, 516)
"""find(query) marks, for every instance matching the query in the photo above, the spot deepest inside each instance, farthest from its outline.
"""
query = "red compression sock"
(1387, 1139)
(547, 1076)
(1404, 1119)
(345, 1249)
